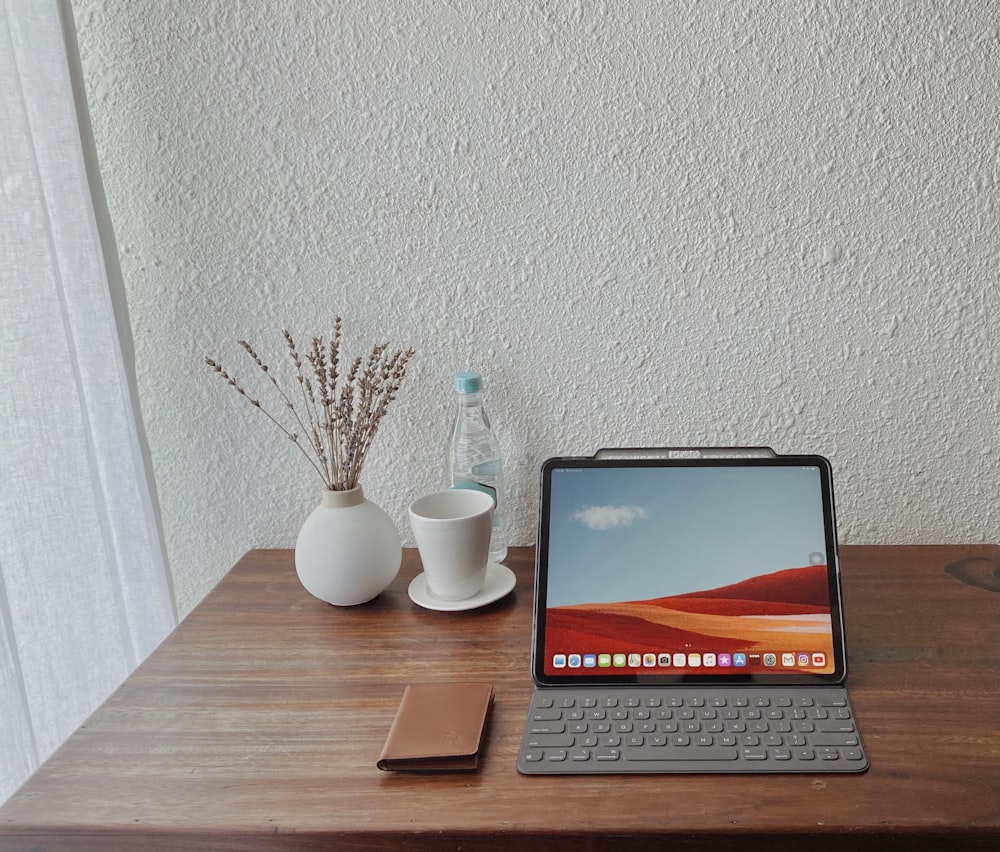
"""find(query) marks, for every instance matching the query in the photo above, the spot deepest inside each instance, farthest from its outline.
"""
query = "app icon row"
(690, 660)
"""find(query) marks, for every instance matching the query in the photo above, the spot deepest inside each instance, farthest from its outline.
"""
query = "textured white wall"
(647, 223)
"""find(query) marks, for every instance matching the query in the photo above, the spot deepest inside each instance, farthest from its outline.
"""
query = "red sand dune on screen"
(784, 611)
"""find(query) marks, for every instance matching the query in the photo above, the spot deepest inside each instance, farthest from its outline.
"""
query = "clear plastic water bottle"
(473, 459)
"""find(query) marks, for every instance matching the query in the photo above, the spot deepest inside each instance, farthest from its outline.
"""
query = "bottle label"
(486, 489)
(476, 486)
(489, 469)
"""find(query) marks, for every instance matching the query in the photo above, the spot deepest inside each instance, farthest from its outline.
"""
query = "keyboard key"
(546, 715)
(835, 726)
(836, 740)
(551, 741)
(547, 728)
(706, 753)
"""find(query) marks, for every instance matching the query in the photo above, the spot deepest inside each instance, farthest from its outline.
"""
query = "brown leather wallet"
(438, 728)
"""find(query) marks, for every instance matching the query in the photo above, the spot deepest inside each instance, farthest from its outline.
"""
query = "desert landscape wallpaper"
(784, 612)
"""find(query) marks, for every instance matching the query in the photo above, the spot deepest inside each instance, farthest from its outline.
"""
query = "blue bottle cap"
(468, 382)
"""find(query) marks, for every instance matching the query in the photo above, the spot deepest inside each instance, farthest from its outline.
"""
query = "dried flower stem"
(336, 423)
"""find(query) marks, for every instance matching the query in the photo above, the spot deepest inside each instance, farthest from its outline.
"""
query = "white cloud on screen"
(610, 517)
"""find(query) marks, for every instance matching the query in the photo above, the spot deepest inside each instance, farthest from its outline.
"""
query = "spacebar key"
(699, 753)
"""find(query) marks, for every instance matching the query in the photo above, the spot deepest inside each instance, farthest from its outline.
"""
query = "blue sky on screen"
(634, 533)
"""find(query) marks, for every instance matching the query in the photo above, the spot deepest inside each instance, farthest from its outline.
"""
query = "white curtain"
(84, 591)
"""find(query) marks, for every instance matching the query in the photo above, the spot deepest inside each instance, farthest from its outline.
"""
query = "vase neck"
(342, 499)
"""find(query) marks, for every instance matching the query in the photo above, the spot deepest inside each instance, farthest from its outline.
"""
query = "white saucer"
(500, 581)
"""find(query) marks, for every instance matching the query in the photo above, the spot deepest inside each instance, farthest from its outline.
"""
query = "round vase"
(348, 550)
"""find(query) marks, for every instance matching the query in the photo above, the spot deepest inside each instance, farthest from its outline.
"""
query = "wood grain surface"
(257, 725)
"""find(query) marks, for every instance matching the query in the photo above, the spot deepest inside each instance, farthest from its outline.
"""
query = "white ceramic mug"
(452, 529)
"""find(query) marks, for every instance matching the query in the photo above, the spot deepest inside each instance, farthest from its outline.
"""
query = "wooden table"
(257, 724)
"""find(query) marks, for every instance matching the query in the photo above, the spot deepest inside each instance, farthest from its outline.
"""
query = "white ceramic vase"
(348, 550)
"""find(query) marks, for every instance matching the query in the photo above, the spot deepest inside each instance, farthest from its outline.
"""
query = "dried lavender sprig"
(256, 404)
(340, 421)
(303, 428)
